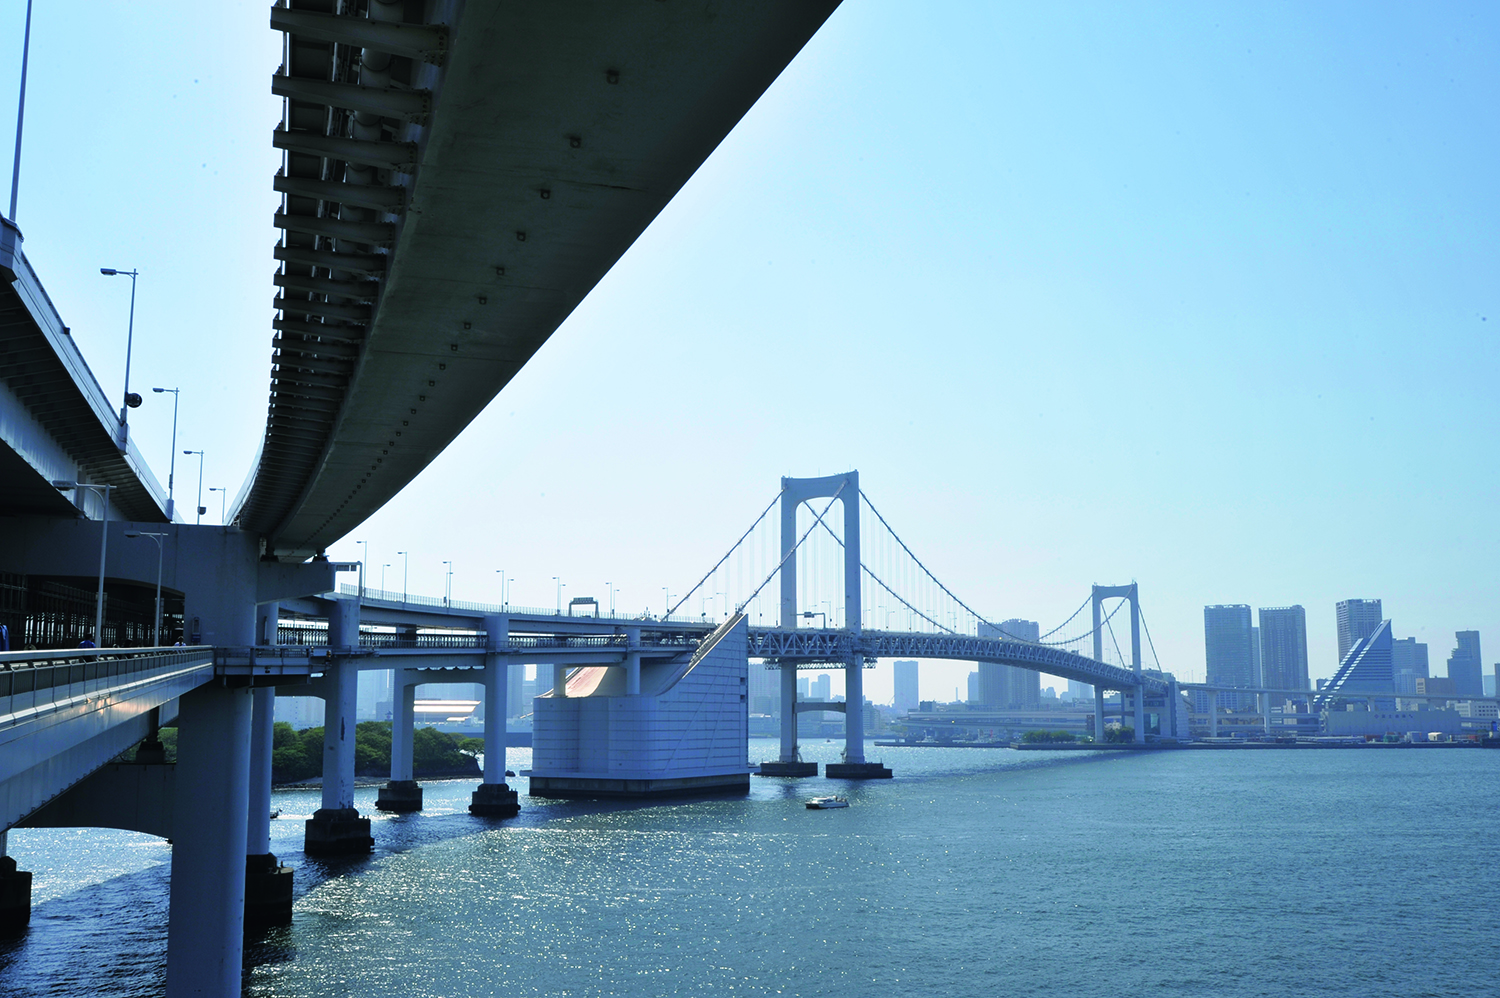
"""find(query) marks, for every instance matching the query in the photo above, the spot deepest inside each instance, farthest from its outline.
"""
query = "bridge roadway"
(451, 191)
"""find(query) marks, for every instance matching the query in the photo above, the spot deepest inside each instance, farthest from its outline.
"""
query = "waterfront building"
(1367, 667)
(802, 687)
(1227, 652)
(1283, 647)
(905, 696)
(973, 696)
(1356, 618)
(1080, 691)
(821, 687)
(1465, 666)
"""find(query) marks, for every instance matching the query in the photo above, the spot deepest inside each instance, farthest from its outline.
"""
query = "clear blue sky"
(1199, 295)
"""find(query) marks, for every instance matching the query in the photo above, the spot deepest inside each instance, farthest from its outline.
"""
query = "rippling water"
(975, 871)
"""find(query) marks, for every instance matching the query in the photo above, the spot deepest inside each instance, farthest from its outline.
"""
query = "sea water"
(973, 872)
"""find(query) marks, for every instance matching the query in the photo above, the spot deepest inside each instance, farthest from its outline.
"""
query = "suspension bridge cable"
(1114, 640)
(888, 589)
(1080, 637)
(794, 547)
(1065, 623)
(731, 551)
(914, 558)
(1154, 657)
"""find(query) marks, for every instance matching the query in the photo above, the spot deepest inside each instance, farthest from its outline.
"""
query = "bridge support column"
(633, 674)
(1098, 713)
(789, 763)
(15, 895)
(854, 766)
(1213, 713)
(268, 884)
(495, 798)
(336, 829)
(402, 794)
(559, 680)
(206, 912)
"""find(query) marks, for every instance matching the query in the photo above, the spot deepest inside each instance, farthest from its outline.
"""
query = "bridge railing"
(33, 679)
(438, 603)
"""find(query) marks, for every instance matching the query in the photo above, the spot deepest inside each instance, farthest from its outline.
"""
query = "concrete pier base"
(268, 892)
(856, 771)
(15, 898)
(788, 769)
(337, 831)
(495, 800)
(400, 796)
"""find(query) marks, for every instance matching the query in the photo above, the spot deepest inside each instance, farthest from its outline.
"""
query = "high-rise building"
(1007, 686)
(1255, 669)
(1357, 618)
(1227, 651)
(821, 688)
(1079, 691)
(906, 697)
(973, 688)
(1409, 655)
(763, 687)
(1367, 667)
(1283, 647)
(1465, 666)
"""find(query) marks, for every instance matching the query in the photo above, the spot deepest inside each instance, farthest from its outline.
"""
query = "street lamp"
(65, 485)
(405, 563)
(223, 514)
(558, 580)
(448, 585)
(172, 466)
(501, 572)
(668, 614)
(130, 401)
(610, 586)
(160, 550)
(362, 569)
(201, 508)
(382, 578)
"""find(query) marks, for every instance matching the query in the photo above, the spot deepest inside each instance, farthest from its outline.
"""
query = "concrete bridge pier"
(494, 798)
(268, 884)
(402, 794)
(15, 895)
(336, 829)
(1098, 713)
(206, 912)
(789, 763)
(854, 766)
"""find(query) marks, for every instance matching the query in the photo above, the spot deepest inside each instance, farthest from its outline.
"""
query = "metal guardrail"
(40, 676)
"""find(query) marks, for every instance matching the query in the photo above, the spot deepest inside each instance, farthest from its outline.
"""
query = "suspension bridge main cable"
(972, 612)
(731, 551)
(1154, 657)
(867, 570)
(794, 547)
(1114, 640)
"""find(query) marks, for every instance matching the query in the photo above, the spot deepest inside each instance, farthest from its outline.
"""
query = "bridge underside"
(556, 133)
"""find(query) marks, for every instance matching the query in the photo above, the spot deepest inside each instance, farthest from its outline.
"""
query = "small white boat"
(824, 803)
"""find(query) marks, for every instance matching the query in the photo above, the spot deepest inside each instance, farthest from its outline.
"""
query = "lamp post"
(382, 578)
(160, 550)
(448, 585)
(405, 563)
(200, 482)
(611, 587)
(222, 502)
(129, 401)
(362, 569)
(15, 170)
(103, 545)
(558, 580)
(172, 465)
(501, 572)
